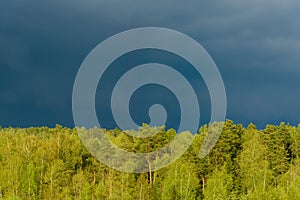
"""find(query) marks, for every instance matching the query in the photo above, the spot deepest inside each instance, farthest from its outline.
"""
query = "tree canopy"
(246, 163)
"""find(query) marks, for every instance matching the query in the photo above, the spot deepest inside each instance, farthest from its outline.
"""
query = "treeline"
(246, 163)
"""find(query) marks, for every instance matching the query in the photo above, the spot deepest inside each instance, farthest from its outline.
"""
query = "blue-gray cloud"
(256, 45)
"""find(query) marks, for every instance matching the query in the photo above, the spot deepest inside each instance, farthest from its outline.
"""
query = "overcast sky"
(255, 44)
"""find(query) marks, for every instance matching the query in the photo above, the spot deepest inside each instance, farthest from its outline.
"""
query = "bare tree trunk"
(150, 172)
(95, 178)
(149, 164)
(154, 174)
(203, 183)
(141, 191)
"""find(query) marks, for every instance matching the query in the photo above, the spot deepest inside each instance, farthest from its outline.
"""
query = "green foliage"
(245, 163)
(219, 185)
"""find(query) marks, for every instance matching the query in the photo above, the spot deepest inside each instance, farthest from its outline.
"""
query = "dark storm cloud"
(256, 45)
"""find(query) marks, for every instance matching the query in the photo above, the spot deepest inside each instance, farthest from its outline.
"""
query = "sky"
(255, 44)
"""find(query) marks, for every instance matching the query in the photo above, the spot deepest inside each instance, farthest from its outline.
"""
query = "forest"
(246, 163)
